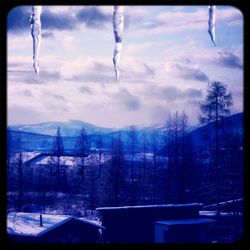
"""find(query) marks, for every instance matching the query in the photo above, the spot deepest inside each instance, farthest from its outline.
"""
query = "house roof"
(71, 161)
(150, 206)
(93, 223)
(28, 224)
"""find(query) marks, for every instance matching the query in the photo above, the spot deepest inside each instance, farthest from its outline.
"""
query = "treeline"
(178, 172)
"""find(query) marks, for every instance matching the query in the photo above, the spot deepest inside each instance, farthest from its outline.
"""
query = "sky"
(166, 63)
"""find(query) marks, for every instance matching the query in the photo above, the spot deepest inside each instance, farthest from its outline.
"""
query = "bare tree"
(116, 172)
(173, 156)
(99, 145)
(9, 159)
(179, 160)
(19, 162)
(57, 161)
(134, 184)
(132, 133)
(144, 150)
(81, 148)
(144, 173)
(91, 183)
(154, 152)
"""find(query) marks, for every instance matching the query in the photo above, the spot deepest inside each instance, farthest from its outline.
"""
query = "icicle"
(35, 24)
(118, 24)
(211, 22)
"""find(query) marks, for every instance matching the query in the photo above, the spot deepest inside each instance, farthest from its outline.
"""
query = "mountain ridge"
(72, 128)
(43, 142)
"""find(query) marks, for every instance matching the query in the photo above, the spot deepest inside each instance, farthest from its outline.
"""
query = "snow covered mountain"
(69, 128)
(72, 128)
(41, 136)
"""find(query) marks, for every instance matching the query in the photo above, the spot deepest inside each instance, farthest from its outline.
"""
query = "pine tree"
(214, 109)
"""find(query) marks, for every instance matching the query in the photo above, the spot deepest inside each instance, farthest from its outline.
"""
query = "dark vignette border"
(5, 6)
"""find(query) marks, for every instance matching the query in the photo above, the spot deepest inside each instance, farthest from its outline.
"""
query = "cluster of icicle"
(118, 25)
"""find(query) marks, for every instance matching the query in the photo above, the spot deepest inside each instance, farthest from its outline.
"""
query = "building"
(47, 228)
(136, 224)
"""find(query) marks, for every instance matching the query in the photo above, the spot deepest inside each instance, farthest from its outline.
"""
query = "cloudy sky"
(166, 62)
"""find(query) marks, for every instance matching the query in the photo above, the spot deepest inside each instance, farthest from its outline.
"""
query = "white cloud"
(133, 49)
(77, 79)
(186, 70)
(180, 20)
(69, 43)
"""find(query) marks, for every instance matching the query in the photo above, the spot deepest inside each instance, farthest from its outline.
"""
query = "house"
(48, 228)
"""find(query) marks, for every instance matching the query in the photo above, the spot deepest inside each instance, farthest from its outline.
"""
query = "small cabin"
(182, 231)
(47, 228)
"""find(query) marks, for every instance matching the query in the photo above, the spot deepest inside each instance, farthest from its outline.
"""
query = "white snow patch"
(214, 213)
(139, 157)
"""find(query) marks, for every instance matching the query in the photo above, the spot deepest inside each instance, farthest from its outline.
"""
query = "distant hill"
(69, 128)
(235, 128)
(44, 143)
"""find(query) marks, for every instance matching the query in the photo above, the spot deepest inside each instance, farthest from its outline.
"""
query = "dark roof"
(184, 221)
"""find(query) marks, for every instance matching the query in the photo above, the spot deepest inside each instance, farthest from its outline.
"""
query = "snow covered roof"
(150, 206)
(184, 221)
(72, 161)
(26, 156)
(28, 224)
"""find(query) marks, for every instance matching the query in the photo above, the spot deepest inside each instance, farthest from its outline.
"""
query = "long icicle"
(35, 24)
(211, 22)
(118, 25)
